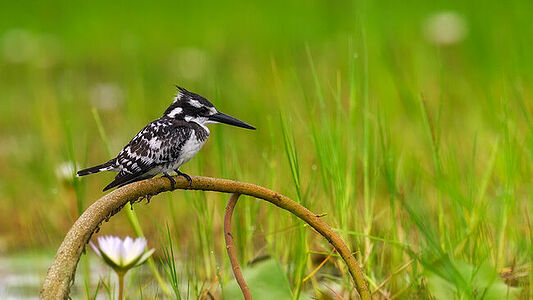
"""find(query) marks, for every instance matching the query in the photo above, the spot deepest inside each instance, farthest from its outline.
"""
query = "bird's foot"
(172, 181)
(189, 179)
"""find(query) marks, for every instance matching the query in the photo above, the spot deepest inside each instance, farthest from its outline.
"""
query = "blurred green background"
(408, 122)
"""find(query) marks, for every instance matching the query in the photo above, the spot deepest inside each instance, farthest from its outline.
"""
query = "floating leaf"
(266, 280)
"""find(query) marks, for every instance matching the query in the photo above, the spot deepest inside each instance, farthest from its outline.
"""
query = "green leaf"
(266, 280)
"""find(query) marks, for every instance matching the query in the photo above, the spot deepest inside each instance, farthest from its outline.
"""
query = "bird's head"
(192, 107)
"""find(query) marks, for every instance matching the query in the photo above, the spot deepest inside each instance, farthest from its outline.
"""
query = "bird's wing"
(155, 145)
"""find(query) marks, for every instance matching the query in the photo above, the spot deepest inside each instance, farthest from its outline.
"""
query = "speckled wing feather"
(155, 148)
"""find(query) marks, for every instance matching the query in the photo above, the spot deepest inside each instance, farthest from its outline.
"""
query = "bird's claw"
(189, 179)
(172, 181)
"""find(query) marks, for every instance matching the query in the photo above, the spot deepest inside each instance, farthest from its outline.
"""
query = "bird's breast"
(192, 146)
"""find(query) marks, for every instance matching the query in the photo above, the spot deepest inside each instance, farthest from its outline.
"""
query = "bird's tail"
(108, 166)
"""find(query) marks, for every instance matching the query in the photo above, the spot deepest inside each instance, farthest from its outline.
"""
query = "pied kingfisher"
(165, 144)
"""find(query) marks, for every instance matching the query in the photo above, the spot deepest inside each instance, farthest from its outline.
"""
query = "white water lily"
(122, 255)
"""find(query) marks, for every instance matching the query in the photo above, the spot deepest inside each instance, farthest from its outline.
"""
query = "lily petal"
(110, 246)
(132, 250)
(111, 263)
(120, 254)
(145, 256)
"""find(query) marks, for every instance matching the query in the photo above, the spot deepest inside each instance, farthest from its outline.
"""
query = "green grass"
(420, 155)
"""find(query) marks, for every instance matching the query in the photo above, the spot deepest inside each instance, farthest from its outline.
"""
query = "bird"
(166, 143)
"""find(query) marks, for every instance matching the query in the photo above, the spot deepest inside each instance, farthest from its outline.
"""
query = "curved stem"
(61, 273)
(231, 249)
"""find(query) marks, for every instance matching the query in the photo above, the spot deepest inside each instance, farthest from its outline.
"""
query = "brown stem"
(231, 249)
(61, 273)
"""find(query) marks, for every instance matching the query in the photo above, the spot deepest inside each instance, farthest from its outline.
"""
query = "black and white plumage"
(167, 143)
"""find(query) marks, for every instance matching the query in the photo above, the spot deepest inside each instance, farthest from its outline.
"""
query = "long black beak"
(223, 118)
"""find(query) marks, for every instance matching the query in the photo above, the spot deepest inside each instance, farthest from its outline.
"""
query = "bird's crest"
(195, 99)
(181, 93)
